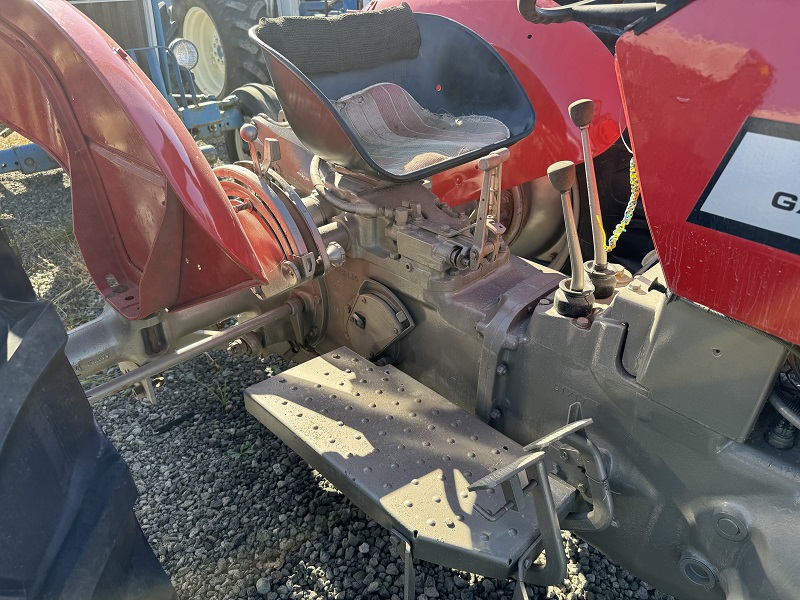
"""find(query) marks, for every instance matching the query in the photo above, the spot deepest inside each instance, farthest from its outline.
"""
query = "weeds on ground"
(219, 392)
(246, 449)
(222, 394)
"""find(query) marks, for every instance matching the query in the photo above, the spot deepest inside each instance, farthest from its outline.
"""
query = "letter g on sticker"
(784, 201)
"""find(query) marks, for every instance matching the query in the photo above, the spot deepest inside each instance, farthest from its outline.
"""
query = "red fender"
(695, 85)
(556, 65)
(147, 209)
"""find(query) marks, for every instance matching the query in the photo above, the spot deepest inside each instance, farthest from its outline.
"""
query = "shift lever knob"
(562, 175)
(249, 133)
(582, 112)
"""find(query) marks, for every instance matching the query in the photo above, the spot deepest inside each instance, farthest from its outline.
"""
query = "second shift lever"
(575, 296)
(602, 275)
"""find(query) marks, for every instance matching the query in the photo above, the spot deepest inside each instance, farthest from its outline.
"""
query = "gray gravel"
(229, 510)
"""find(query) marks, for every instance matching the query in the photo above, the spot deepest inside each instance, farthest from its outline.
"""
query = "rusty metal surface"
(404, 454)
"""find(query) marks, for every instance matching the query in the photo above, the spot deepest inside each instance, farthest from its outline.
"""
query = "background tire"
(254, 99)
(66, 495)
(228, 59)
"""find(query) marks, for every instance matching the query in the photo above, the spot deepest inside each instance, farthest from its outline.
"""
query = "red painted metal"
(556, 66)
(147, 208)
(689, 83)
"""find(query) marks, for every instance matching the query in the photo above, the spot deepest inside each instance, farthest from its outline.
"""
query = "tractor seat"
(396, 95)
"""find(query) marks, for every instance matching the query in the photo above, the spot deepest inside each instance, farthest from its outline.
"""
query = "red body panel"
(556, 66)
(147, 208)
(689, 83)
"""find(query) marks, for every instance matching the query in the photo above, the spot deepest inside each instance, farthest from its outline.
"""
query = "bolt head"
(583, 323)
(336, 254)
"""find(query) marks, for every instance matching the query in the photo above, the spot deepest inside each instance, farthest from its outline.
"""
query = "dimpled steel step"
(405, 455)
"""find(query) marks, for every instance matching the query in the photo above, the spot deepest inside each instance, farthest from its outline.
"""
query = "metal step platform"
(406, 456)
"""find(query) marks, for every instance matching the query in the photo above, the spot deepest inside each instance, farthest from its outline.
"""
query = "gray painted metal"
(175, 358)
(718, 362)
(111, 338)
(405, 455)
(675, 422)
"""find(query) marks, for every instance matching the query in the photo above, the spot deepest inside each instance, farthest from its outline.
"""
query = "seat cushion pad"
(402, 137)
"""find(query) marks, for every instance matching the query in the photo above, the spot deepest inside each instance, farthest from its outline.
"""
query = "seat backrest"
(346, 42)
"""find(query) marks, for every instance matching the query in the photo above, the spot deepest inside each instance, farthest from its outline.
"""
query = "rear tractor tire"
(66, 496)
(219, 29)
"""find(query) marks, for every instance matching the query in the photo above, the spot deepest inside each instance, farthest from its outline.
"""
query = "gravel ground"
(229, 510)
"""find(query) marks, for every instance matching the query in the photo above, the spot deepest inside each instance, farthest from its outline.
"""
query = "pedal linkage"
(586, 467)
(525, 484)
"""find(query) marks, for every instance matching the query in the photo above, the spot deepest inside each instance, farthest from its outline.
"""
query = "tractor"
(473, 402)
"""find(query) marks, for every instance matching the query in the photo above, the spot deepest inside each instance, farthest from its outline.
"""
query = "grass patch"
(54, 263)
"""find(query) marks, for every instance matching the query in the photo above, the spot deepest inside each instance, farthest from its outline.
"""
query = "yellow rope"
(626, 219)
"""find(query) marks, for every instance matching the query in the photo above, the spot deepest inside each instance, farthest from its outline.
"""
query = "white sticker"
(755, 193)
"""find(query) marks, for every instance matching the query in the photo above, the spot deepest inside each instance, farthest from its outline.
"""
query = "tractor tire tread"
(254, 98)
(66, 494)
(233, 19)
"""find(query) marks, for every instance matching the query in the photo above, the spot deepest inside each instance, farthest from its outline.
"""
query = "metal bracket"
(595, 488)
(296, 318)
(377, 319)
(526, 485)
(515, 482)
(488, 229)
(306, 264)
(403, 547)
(143, 388)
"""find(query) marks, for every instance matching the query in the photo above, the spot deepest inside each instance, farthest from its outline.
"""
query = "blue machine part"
(204, 116)
(28, 158)
(330, 7)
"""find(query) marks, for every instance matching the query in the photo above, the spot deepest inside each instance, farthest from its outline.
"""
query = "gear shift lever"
(575, 296)
(600, 273)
